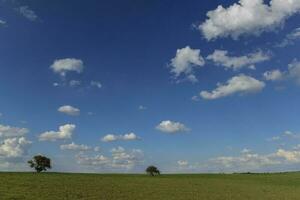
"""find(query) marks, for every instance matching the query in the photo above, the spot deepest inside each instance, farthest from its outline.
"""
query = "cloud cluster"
(120, 159)
(64, 132)
(290, 38)
(240, 84)
(248, 161)
(125, 137)
(69, 110)
(247, 17)
(172, 127)
(185, 62)
(75, 147)
(9, 131)
(273, 75)
(63, 66)
(27, 13)
(96, 84)
(293, 73)
(14, 147)
(221, 57)
(182, 163)
(284, 135)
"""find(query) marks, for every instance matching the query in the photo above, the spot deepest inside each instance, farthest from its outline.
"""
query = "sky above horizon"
(115, 86)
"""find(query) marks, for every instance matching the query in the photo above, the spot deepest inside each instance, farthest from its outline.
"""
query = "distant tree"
(40, 163)
(152, 170)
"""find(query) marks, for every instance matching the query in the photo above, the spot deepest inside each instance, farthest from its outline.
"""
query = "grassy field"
(51, 186)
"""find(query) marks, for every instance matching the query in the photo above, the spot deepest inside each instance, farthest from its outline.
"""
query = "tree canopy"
(152, 170)
(40, 163)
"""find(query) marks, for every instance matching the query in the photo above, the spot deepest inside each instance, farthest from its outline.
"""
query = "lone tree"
(152, 170)
(40, 163)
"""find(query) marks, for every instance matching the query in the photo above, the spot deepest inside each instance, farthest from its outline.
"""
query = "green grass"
(52, 186)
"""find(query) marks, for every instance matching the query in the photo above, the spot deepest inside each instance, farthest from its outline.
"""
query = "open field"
(51, 186)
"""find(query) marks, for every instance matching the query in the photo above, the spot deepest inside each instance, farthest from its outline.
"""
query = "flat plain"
(63, 186)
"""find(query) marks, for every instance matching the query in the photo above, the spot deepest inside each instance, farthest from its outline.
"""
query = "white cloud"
(247, 17)
(126, 159)
(195, 98)
(185, 62)
(294, 71)
(125, 137)
(1, 114)
(69, 110)
(238, 84)
(221, 57)
(289, 156)
(274, 75)
(64, 132)
(9, 131)
(2, 22)
(62, 66)
(75, 147)
(74, 83)
(141, 107)
(290, 38)
(14, 147)
(285, 134)
(246, 151)
(168, 126)
(96, 84)
(120, 159)
(182, 163)
(244, 162)
(110, 138)
(28, 13)
(98, 160)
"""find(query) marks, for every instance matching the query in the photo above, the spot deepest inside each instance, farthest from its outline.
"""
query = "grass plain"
(62, 186)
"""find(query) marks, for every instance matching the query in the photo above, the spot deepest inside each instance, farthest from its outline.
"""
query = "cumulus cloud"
(69, 110)
(27, 13)
(293, 73)
(168, 126)
(221, 57)
(290, 38)
(64, 132)
(14, 147)
(96, 84)
(289, 156)
(240, 84)
(274, 75)
(9, 131)
(247, 17)
(62, 66)
(120, 159)
(75, 147)
(185, 62)
(125, 137)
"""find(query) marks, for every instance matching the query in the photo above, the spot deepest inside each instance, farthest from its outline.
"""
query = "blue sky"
(114, 86)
